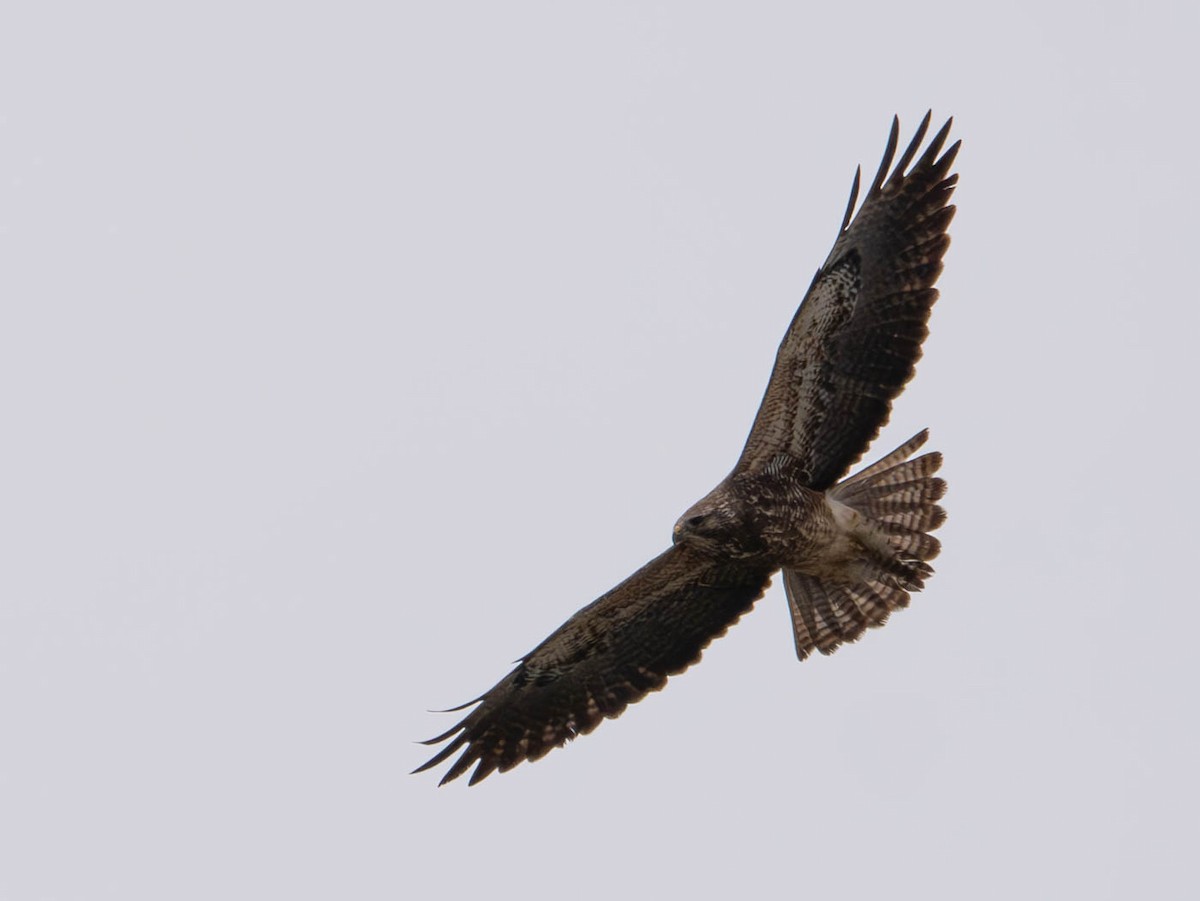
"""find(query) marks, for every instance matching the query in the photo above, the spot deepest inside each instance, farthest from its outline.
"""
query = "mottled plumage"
(850, 551)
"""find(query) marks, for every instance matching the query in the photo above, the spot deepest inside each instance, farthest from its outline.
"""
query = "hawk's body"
(850, 551)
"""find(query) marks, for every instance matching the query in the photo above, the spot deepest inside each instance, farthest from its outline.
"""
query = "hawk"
(851, 550)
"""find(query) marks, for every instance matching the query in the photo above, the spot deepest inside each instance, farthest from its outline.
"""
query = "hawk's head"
(716, 525)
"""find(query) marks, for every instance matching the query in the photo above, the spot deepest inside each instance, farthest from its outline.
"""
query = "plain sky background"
(347, 349)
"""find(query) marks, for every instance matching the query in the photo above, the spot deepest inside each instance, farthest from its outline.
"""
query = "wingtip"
(462, 706)
(428, 742)
(479, 774)
(422, 768)
(854, 188)
(889, 154)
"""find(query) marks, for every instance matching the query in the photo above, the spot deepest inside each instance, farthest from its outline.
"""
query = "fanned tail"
(897, 498)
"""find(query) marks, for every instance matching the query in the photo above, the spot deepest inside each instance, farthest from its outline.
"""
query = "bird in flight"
(851, 550)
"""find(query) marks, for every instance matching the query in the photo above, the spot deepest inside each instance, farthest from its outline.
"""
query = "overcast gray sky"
(345, 351)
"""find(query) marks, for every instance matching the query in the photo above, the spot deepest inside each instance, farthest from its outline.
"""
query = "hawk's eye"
(695, 521)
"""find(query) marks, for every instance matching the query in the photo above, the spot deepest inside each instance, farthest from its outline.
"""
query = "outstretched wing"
(856, 338)
(607, 656)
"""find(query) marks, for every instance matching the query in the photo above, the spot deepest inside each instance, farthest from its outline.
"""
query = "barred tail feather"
(897, 498)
